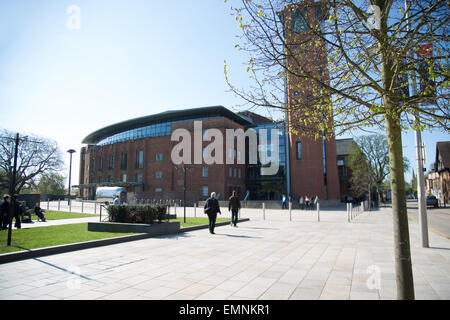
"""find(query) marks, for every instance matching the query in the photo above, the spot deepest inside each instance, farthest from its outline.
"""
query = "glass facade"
(267, 187)
(154, 130)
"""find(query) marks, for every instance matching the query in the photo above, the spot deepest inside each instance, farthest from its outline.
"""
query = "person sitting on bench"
(24, 212)
(39, 212)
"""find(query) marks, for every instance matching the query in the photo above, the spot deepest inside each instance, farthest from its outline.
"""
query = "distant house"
(439, 179)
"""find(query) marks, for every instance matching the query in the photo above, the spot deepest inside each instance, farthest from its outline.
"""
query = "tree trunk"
(403, 266)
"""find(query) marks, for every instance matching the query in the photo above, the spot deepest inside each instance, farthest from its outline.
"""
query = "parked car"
(432, 201)
(410, 196)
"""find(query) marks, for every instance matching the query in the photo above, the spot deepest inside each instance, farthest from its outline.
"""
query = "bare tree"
(369, 162)
(36, 157)
(364, 62)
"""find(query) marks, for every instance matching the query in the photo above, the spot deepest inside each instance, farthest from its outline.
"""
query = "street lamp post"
(422, 205)
(71, 151)
(12, 190)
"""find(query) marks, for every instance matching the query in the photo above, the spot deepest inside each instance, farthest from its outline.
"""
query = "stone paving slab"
(273, 258)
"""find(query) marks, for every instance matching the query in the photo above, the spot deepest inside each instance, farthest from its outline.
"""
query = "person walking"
(307, 203)
(301, 203)
(4, 212)
(16, 212)
(234, 204)
(283, 204)
(211, 209)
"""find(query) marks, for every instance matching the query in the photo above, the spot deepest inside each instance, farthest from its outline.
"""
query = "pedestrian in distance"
(39, 212)
(234, 204)
(4, 211)
(301, 203)
(211, 209)
(16, 211)
(307, 203)
(283, 203)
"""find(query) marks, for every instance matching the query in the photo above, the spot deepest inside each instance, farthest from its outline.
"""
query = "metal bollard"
(348, 212)
(264, 211)
(100, 213)
(59, 205)
(175, 208)
(318, 212)
(351, 211)
(95, 207)
(70, 206)
(290, 211)
(48, 203)
(82, 206)
(195, 210)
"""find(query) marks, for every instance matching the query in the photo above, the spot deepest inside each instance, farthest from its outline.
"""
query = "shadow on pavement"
(237, 236)
(439, 248)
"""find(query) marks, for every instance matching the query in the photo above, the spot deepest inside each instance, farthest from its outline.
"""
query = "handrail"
(101, 212)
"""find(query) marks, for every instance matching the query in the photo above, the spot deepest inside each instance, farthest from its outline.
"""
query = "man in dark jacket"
(4, 212)
(234, 205)
(16, 211)
(211, 209)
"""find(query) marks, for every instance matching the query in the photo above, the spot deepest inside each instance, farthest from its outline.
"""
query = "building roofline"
(175, 115)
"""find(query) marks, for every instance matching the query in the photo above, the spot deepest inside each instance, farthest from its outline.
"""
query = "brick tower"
(313, 162)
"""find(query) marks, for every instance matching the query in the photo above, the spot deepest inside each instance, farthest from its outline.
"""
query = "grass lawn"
(58, 215)
(41, 237)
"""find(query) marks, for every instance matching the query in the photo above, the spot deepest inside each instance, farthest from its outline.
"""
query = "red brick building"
(312, 161)
(136, 154)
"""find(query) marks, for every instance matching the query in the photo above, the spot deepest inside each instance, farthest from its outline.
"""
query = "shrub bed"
(144, 214)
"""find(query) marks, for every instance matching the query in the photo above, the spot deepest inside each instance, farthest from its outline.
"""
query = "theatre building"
(136, 154)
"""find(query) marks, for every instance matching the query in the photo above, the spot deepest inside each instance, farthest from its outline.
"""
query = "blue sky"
(129, 58)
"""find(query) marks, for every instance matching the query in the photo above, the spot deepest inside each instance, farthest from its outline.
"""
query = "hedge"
(145, 214)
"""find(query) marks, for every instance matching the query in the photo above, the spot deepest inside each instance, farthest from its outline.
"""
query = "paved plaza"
(274, 256)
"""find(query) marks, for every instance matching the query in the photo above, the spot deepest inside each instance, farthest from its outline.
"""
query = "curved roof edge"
(174, 115)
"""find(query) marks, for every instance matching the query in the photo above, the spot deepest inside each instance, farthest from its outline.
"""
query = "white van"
(108, 194)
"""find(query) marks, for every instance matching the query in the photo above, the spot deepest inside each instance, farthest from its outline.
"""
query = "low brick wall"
(155, 229)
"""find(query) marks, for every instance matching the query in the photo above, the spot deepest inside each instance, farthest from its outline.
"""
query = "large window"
(139, 177)
(139, 159)
(205, 172)
(158, 174)
(154, 130)
(299, 151)
(123, 161)
(100, 163)
(159, 157)
(205, 192)
(111, 162)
